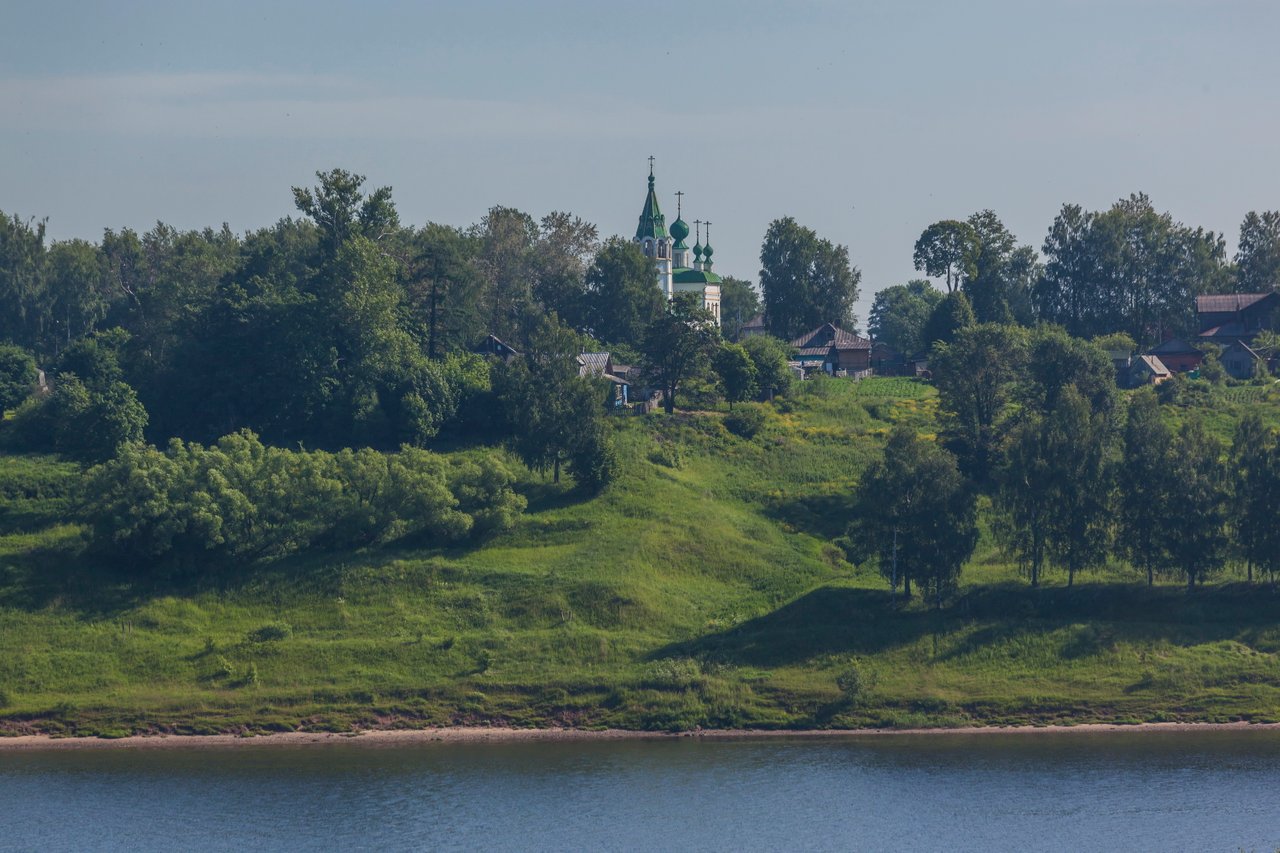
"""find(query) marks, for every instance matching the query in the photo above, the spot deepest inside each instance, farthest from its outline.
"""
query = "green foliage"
(1126, 269)
(737, 372)
(554, 414)
(1146, 486)
(975, 376)
(18, 375)
(189, 507)
(769, 355)
(916, 515)
(949, 316)
(805, 280)
(621, 299)
(86, 424)
(899, 315)
(1258, 253)
(746, 421)
(1196, 546)
(678, 344)
(947, 250)
(739, 304)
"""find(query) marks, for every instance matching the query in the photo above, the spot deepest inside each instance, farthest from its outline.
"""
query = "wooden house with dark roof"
(1178, 355)
(600, 365)
(1229, 317)
(1241, 361)
(833, 350)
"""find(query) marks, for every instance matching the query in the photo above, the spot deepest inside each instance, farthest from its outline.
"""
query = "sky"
(865, 121)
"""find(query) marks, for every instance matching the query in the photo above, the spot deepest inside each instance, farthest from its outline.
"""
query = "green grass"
(700, 590)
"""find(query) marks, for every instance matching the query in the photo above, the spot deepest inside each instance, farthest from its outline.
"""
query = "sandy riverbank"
(395, 737)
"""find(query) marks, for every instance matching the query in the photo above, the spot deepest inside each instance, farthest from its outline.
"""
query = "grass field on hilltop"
(700, 590)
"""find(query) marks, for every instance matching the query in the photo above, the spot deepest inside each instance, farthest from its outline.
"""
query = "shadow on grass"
(835, 620)
(825, 621)
(826, 516)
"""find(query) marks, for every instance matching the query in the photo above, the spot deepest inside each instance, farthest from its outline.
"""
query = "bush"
(854, 683)
(272, 631)
(18, 375)
(188, 504)
(745, 421)
(86, 423)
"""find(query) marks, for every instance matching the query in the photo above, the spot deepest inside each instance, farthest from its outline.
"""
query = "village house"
(834, 351)
(1240, 361)
(1147, 370)
(754, 326)
(600, 365)
(1229, 317)
(1177, 355)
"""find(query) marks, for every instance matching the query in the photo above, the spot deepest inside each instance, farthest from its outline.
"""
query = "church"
(680, 269)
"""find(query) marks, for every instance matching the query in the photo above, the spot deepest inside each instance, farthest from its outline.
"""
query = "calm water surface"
(1157, 791)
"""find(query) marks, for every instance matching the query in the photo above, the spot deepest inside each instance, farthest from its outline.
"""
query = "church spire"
(653, 225)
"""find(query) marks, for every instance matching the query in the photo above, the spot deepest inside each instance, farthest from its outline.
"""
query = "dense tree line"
(1129, 269)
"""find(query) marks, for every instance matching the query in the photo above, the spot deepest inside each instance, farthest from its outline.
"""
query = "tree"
(769, 355)
(1127, 269)
(739, 303)
(948, 317)
(506, 260)
(1258, 254)
(566, 245)
(1000, 274)
(1076, 444)
(1196, 536)
(899, 315)
(1146, 490)
(1056, 362)
(554, 415)
(622, 295)
(18, 375)
(677, 344)
(77, 292)
(22, 301)
(341, 212)
(946, 250)
(974, 376)
(917, 515)
(737, 372)
(805, 280)
(1256, 481)
(442, 287)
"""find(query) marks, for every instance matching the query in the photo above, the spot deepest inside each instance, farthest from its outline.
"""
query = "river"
(1130, 791)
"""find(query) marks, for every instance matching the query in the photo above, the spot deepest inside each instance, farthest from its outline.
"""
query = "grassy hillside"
(700, 590)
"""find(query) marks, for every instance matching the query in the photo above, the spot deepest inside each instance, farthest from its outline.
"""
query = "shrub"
(271, 631)
(180, 507)
(18, 376)
(854, 683)
(745, 421)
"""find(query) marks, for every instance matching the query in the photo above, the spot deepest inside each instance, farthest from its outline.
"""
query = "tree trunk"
(670, 403)
(906, 587)
(556, 469)
(1071, 576)
(1151, 575)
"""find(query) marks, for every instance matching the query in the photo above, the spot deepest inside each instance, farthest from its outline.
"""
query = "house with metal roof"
(679, 268)
(1147, 370)
(834, 351)
(1229, 317)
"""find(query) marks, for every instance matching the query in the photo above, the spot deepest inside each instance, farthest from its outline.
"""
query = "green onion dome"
(679, 230)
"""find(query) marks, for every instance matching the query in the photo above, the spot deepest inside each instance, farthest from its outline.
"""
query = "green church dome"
(679, 230)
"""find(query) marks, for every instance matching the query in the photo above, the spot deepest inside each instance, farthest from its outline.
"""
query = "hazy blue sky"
(866, 121)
